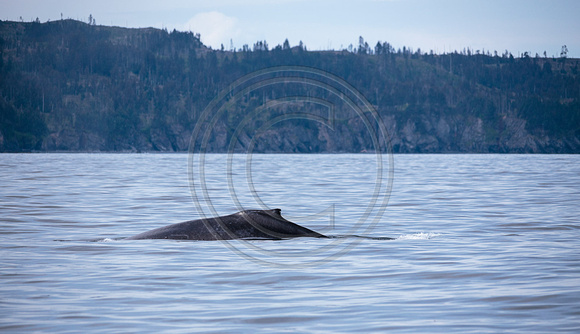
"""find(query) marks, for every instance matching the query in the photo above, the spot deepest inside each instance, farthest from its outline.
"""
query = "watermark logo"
(259, 113)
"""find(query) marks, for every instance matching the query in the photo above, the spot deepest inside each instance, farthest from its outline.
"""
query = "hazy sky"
(439, 25)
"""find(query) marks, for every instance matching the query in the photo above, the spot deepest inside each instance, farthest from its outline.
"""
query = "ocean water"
(483, 243)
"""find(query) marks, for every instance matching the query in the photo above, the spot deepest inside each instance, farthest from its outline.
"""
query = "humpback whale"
(248, 224)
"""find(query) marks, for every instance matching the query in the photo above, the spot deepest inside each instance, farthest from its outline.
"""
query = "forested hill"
(71, 86)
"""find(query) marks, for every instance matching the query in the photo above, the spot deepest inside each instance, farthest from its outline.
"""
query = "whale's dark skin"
(249, 224)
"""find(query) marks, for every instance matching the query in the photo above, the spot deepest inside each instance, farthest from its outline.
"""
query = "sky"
(517, 26)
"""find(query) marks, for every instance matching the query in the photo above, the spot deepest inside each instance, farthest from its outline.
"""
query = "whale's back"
(249, 224)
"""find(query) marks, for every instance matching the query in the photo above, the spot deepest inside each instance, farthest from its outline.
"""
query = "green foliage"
(552, 117)
(21, 131)
(131, 87)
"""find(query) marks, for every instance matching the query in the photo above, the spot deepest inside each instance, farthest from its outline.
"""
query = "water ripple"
(483, 243)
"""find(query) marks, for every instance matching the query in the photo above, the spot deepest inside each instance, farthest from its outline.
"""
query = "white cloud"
(215, 28)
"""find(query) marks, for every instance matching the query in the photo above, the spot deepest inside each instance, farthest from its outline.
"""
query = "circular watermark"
(247, 117)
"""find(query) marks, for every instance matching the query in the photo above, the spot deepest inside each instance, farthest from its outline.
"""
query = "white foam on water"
(418, 236)
(107, 240)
